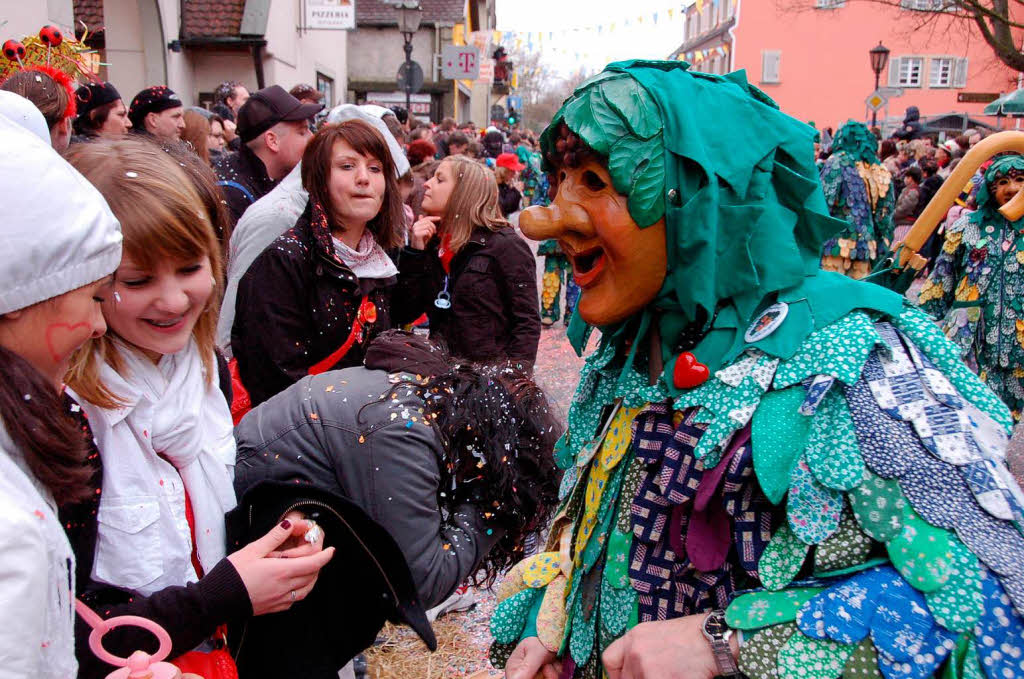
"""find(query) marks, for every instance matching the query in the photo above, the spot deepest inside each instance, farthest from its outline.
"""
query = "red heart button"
(689, 372)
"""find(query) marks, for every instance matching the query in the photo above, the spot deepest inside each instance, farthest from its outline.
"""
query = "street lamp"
(879, 59)
(409, 16)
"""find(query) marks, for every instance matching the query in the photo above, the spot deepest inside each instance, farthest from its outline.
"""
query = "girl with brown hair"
(197, 134)
(315, 296)
(151, 539)
(482, 274)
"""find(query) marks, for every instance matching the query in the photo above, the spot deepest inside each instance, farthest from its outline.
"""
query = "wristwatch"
(717, 632)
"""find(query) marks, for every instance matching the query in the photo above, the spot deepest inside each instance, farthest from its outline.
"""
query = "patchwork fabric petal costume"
(838, 485)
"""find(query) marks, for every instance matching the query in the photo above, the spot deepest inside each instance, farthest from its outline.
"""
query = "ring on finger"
(291, 595)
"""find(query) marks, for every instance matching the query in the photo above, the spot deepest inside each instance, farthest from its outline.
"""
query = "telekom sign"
(460, 62)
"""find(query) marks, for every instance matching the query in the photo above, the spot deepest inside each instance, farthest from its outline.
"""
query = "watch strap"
(717, 632)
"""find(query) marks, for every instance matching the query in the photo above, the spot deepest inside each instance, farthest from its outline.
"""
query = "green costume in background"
(836, 476)
(976, 290)
(858, 189)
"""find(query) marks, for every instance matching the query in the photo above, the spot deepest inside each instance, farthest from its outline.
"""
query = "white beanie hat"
(58, 233)
(20, 110)
(369, 113)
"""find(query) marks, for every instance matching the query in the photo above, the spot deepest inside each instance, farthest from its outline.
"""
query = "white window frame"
(928, 5)
(935, 67)
(766, 56)
(896, 71)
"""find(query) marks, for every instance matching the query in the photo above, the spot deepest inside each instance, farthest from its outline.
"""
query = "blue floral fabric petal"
(901, 623)
(936, 647)
(1000, 633)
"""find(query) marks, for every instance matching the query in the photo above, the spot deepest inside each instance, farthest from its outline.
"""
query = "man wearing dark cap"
(274, 130)
(157, 111)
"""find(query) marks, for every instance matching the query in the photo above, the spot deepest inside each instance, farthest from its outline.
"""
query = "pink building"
(811, 56)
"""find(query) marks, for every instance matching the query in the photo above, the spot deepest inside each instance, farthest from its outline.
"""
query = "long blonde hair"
(473, 201)
(162, 217)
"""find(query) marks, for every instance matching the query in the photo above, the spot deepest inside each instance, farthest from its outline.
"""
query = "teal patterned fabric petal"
(878, 505)
(839, 349)
(782, 558)
(728, 401)
(779, 435)
(805, 658)
(832, 450)
(958, 604)
(581, 640)
(616, 607)
(812, 509)
(922, 553)
(510, 615)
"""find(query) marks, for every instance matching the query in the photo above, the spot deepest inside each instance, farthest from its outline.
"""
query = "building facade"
(811, 56)
(193, 45)
(375, 53)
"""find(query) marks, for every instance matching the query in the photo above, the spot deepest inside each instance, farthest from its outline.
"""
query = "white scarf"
(367, 261)
(192, 429)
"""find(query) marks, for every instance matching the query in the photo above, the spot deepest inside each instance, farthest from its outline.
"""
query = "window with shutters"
(940, 73)
(770, 66)
(906, 71)
(929, 5)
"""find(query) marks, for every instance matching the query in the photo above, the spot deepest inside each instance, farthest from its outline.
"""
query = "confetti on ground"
(462, 642)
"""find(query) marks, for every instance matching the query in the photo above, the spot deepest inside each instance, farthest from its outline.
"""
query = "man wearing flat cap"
(157, 111)
(273, 127)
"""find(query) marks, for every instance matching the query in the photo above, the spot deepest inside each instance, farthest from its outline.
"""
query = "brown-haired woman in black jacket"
(311, 300)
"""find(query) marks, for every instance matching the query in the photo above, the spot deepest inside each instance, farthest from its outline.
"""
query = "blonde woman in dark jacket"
(479, 274)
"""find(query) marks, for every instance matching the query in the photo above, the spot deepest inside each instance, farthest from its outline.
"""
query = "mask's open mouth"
(587, 265)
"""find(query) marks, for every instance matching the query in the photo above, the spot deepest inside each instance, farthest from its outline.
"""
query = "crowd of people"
(171, 269)
(970, 280)
(229, 335)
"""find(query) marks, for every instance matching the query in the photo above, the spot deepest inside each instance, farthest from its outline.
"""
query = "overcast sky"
(591, 33)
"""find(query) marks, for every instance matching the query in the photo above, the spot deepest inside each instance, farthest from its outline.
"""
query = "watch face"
(714, 624)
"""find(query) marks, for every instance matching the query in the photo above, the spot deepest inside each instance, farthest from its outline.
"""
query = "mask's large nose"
(554, 221)
(540, 223)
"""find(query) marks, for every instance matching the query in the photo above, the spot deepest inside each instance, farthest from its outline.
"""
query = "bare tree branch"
(994, 19)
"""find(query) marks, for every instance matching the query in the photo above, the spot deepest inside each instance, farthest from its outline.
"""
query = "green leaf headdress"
(856, 140)
(733, 177)
(1000, 167)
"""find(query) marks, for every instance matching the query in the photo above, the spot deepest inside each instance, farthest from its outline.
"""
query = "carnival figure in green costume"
(858, 190)
(800, 449)
(976, 288)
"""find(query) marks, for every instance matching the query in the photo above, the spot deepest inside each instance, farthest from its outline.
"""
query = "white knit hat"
(369, 113)
(20, 110)
(56, 231)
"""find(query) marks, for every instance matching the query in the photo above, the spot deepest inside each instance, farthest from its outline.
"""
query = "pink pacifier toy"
(139, 665)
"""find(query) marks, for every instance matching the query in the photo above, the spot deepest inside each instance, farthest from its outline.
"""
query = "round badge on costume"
(766, 322)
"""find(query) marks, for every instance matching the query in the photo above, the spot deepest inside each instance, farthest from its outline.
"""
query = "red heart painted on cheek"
(689, 372)
(58, 330)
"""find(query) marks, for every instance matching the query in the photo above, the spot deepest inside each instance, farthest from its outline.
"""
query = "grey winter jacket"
(381, 459)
